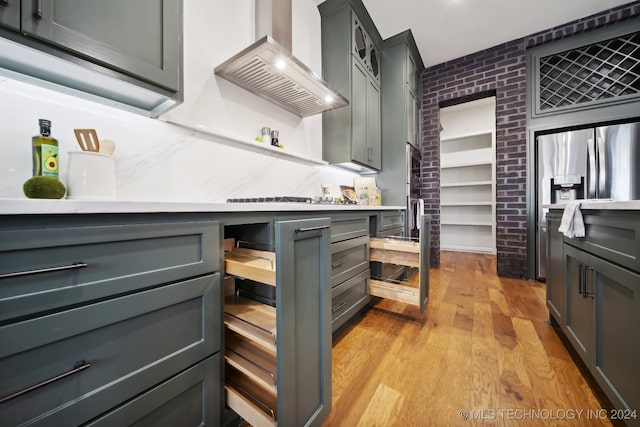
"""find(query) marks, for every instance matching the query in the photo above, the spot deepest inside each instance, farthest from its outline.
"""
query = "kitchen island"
(593, 294)
(133, 308)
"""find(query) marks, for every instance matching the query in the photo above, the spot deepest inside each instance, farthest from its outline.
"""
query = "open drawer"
(400, 268)
(249, 263)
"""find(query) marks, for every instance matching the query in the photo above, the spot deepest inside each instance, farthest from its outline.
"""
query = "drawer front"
(348, 227)
(348, 294)
(193, 398)
(389, 220)
(118, 258)
(614, 236)
(131, 343)
(392, 232)
(348, 258)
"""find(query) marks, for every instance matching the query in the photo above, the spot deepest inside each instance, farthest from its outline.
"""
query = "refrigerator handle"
(592, 176)
(420, 214)
(602, 168)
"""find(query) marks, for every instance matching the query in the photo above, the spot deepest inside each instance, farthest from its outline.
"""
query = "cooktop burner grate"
(275, 199)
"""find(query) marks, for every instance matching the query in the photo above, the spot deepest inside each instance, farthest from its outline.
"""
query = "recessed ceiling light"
(281, 64)
(328, 99)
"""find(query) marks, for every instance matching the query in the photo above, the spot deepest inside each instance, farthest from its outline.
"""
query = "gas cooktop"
(275, 199)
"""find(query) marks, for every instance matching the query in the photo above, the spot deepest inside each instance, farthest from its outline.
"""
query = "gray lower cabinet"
(593, 292)
(555, 272)
(391, 224)
(75, 364)
(188, 399)
(278, 359)
(350, 272)
(602, 323)
(110, 317)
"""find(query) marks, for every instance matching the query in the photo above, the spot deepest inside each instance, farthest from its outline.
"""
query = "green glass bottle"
(45, 151)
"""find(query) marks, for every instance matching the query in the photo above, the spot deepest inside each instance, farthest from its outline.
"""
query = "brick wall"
(499, 71)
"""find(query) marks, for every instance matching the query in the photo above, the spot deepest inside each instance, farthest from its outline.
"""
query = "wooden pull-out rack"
(250, 339)
(404, 271)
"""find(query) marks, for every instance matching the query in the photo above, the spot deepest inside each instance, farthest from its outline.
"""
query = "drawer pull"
(80, 365)
(72, 266)
(339, 307)
(38, 12)
(337, 264)
(304, 230)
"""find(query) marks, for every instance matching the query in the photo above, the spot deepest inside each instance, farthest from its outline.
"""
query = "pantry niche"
(468, 176)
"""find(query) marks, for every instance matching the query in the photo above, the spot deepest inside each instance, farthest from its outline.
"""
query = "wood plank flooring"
(483, 355)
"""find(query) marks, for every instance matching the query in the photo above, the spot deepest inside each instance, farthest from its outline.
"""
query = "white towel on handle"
(572, 224)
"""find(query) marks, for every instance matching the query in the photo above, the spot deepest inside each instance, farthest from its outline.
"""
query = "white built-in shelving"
(468, 177)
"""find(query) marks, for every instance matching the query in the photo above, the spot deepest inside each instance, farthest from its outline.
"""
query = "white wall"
(159, 161)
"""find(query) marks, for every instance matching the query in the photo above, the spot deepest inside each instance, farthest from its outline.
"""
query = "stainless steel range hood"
(268, 69)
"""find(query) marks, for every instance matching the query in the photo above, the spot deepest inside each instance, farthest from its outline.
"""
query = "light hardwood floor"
(484, 350)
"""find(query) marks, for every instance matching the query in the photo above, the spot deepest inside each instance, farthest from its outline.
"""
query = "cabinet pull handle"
(304, 230)
(587, 292)
(339, 307)
(38, 12)
(72, 266)
(80, 365)
(337, 264)
(580, 279)
(4, 2)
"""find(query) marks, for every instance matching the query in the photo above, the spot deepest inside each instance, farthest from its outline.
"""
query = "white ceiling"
(449, 29)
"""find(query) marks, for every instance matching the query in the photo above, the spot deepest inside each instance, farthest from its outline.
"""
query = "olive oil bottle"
(45, 151)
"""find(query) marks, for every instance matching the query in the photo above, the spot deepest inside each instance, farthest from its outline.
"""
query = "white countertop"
(601, 204)
(47, 206)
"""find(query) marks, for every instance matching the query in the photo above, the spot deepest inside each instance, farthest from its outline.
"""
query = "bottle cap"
(45, 127)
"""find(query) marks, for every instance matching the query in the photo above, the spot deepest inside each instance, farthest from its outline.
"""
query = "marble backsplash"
(155, 160)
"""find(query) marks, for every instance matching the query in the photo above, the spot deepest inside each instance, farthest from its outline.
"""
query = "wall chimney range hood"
(268, 69)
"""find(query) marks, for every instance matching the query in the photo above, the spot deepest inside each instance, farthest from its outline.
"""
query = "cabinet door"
(358, 103)
(616, 295)
(556, 289)
(141, 39)
(10, 14)
(412, 116)
(579, 327)
(425, 263)
(191, 398)
(373, 125)
(303, 316)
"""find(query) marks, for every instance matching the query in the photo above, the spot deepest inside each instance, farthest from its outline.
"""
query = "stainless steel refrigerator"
(595, 163)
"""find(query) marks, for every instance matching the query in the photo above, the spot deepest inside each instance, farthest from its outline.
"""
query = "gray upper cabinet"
(351, 62)
(401, 67)
(136, 38)
(10, 14)
(127, 52)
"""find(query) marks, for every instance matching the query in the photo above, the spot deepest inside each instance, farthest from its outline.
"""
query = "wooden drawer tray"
(252, 320)
(250, 264)
(394, 251)
(251, 360)
(257, 406)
